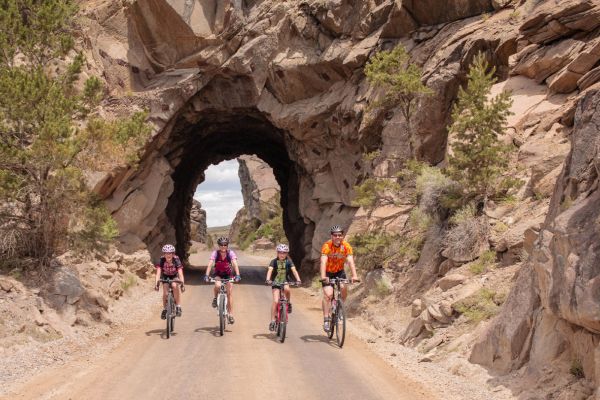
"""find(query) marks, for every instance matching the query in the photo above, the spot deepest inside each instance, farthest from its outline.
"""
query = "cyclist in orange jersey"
(334, 253)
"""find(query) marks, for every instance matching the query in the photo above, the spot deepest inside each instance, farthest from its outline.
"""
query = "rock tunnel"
(221, 137)
(242, 78)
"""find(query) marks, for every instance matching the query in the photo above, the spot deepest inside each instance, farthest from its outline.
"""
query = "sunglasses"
(223, 245)
(337, 235)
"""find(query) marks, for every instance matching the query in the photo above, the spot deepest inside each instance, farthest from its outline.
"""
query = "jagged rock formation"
(260, 193)
(284, 81)
(197, 222)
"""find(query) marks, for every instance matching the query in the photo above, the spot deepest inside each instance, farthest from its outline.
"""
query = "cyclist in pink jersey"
(223, 259)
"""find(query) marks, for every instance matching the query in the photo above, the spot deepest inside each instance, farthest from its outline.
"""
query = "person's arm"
(209, 266)
(269, 273)
(157, 277)
(235, 266)
(350, 260)
(323, 265)
(180, 275)
(295, 272)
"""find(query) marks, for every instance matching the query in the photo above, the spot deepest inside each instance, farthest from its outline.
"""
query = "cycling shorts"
(339, 274)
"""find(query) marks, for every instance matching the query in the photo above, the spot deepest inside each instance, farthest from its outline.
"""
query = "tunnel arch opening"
(215, 137)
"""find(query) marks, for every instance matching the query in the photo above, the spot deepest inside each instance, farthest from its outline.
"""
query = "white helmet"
(168, 248)
(283, 248)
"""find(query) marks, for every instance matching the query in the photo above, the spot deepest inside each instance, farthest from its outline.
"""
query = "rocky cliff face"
(197, 222)
(284, 80)
(260, 193)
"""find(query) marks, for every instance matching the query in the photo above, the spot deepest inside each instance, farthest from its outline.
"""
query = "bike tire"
(332, 320)
(282, 321)
(173, 314)
(340, 324)
(221, 315)
(169, 312)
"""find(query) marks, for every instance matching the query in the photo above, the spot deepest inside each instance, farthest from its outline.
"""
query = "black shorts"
(277, 285)
(162, 276)
(339, 274)
(223, 275)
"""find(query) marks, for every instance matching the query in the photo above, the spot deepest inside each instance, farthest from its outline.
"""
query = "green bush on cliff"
(50, 135)
(400, 80)
(478, 159)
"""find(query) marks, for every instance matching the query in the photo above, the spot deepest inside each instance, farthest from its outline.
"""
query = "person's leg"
(327, 295)
(230, 301)
(274, 304)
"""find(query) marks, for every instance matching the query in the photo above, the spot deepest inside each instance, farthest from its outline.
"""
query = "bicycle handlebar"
(283, 283)
(213, 280)
(168, 280)
(341, 280)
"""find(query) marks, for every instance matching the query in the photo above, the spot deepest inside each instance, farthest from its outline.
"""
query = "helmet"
(168, 248)
(336, 228)
(283, 248)
(222, 241)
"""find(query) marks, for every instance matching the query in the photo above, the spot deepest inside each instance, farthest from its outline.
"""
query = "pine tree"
(400, 80)
(49, 135)
(478, 159)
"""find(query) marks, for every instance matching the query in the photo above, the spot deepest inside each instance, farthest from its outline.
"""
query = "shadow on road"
(318, 339)
(159, 332)
(214, 330)
(270, 336)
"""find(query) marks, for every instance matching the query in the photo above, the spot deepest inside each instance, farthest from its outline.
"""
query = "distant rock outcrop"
(198, 223)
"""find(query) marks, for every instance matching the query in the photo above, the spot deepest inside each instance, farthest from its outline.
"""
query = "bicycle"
(281, 315)
(171, 312)
(222, 303)
(337, 317)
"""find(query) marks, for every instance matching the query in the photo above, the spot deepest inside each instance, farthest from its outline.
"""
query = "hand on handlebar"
(206, 278)
(325, 280)
(157, 286)
(237, 278)
(268, 282)
(355, 280)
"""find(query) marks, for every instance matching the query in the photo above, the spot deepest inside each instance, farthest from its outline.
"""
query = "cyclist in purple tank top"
(223, 259)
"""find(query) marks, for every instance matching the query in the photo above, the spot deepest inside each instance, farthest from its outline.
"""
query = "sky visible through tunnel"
(220, 193)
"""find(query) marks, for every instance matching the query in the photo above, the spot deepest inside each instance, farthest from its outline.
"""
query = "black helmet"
(222, 241)
(336, 228)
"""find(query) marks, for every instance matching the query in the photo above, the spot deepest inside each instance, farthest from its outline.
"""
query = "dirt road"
(246, 363)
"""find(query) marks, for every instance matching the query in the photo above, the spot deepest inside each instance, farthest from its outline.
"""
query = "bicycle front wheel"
(173, 314)
(221, 315)
(169, 315)
(340, 324)
(332, 318)
(282, 321)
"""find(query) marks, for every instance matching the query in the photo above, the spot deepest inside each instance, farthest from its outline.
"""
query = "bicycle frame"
(171, 314)
(282, 320)
(336, 311)
(222, 302)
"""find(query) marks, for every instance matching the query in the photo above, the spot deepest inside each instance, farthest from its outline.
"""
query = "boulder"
(417, 308)
(263, 244)
(451, 280)
(63, 289)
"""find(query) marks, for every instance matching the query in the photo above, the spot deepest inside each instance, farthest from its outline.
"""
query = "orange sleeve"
(325, 249)
(349, 249)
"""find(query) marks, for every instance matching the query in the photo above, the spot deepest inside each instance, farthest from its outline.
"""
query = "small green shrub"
(485, 261)
(480, 306)
(576, 369)
(374, 191)
(128, 282)
(383, 288)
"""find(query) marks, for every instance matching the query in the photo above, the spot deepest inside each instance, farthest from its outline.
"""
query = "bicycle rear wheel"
(282, 321)
(169, 312)
(340, 324)
(221, 315)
